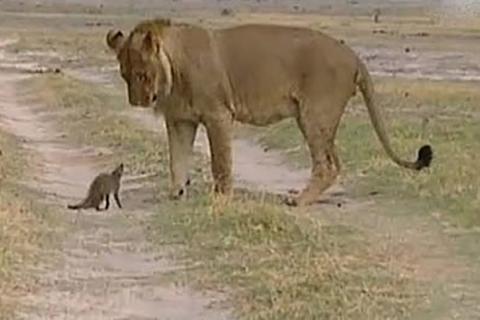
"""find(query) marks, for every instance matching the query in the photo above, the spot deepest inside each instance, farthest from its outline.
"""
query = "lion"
(255, 74)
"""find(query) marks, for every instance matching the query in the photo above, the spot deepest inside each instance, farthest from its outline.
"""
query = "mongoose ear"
(118, 169)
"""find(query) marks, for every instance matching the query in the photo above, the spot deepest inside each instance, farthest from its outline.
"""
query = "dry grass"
(90, 115)
(281, 266)
(23, 227)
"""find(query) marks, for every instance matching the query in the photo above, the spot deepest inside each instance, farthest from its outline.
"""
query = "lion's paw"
(178, 193)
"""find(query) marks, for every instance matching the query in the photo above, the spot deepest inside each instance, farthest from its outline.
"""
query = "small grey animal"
(100, 189)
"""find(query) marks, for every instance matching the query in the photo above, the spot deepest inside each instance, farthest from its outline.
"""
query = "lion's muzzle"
(144, 101)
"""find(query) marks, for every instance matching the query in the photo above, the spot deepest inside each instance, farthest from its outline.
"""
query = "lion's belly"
(264, 96)
(263, 114)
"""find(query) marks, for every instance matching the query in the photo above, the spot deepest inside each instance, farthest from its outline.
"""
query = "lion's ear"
(115, 40)
(150, 43)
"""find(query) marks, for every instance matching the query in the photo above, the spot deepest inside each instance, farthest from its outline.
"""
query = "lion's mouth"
(145, 103)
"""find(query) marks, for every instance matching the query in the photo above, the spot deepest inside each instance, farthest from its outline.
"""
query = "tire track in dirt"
(105, 268)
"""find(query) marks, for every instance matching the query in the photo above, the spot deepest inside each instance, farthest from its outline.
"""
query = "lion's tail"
(364, 82)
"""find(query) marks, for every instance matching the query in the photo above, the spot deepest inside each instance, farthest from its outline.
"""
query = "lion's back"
(266, 61)
(292, 48)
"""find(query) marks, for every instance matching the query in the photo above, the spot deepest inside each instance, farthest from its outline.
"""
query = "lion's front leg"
(181, 136)
(219, 133)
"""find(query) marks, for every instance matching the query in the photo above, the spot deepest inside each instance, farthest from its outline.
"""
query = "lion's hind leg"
(323, 175)
(325, 163)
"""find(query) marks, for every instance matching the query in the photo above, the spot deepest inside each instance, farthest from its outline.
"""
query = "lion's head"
(144, 64)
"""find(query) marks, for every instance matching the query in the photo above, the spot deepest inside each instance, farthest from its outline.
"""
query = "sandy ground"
(421, 64)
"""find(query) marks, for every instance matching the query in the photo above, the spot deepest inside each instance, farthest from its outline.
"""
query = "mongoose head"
(118, 171)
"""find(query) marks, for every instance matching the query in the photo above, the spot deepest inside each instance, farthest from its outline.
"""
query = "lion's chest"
(175, 107)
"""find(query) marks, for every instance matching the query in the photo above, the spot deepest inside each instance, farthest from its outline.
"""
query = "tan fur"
(256, 74)
(100, 189)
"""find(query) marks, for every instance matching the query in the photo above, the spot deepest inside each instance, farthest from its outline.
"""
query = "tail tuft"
(425, 156)
(73, 207)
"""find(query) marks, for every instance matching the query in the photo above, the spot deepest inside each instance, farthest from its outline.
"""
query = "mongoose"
(376, 15)
(100, 189)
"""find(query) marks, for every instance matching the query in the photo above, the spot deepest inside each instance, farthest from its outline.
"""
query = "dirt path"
(105, 269)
